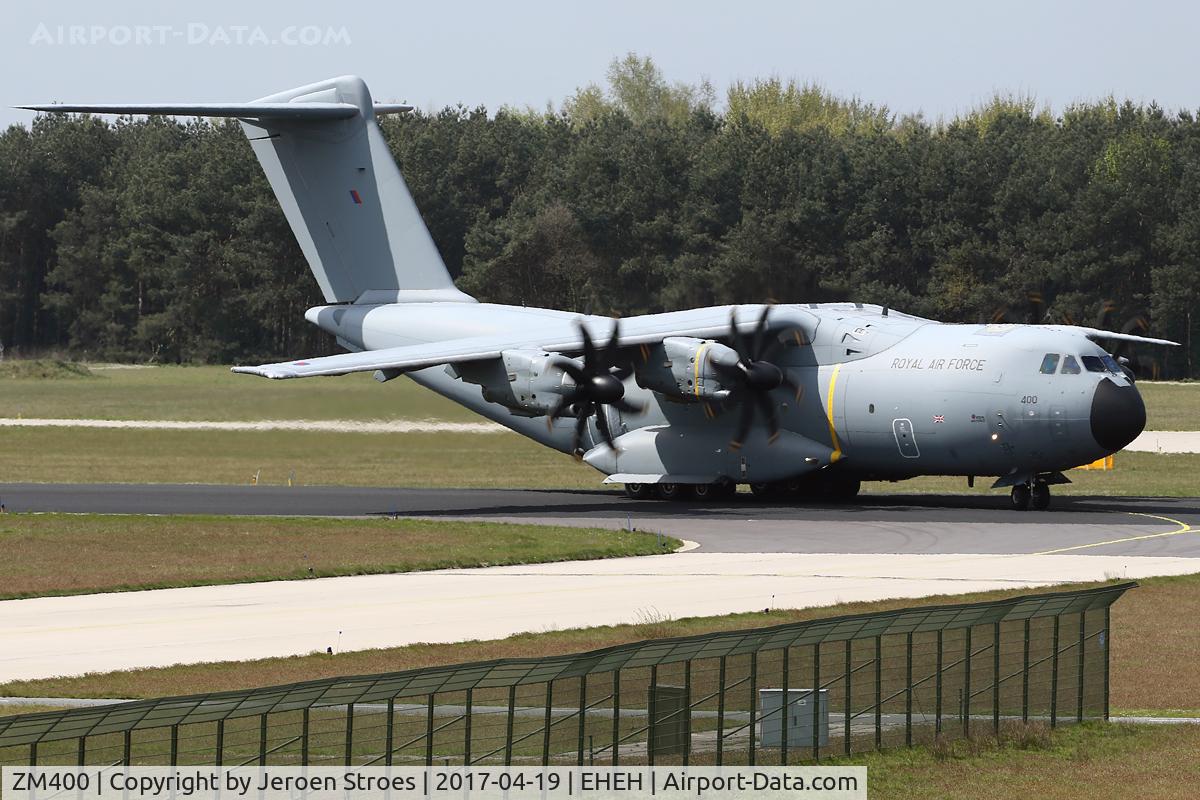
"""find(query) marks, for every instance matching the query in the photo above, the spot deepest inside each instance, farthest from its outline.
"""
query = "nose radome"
(1118, 415)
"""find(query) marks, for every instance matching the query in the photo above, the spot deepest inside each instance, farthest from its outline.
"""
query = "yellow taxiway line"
(1183, 528)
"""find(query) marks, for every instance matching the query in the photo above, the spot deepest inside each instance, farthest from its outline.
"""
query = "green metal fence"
(884, 680)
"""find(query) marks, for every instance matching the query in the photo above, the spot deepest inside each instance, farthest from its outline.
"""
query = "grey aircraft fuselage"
(888, 396)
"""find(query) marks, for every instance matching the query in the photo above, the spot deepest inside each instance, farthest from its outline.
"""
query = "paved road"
(873, 524)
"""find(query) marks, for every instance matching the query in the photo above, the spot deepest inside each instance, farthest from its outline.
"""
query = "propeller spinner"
(755, 376)
(598, 382)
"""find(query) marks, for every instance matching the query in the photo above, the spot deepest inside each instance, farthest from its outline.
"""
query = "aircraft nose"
(1118, 415)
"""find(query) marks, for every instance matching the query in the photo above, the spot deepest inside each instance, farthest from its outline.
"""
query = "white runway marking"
(73, 635)
(320, 425)
(1147, 442)
(1166, 442)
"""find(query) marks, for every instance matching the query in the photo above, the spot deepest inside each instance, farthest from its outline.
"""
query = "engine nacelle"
(527, 382)
(682, 368)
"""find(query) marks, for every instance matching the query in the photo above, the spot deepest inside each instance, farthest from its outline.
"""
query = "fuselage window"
(1092, 363)
(1070, 366)
(1049, 363)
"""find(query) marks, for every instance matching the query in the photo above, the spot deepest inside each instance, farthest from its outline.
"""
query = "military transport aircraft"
(807, 398)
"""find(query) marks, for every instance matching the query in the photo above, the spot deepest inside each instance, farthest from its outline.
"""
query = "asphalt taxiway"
(899, 523)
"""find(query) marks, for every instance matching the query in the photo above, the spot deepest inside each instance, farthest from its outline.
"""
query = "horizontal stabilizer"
(265, 111)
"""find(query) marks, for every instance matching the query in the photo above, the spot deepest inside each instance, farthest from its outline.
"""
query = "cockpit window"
(1112, 365)
(1070, 366)
(1049, 363)
(1092, 363)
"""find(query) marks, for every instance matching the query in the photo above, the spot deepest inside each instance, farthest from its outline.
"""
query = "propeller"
(755, 376)
(599, 381)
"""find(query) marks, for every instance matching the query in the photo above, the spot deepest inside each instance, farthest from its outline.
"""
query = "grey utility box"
(799, 718)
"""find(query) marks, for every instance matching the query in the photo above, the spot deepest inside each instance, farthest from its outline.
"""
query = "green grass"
(35, 371)
(214, 393)
(1171, 407)
(1092, 761)
(70, 455)
(458, 460)
(122, 552)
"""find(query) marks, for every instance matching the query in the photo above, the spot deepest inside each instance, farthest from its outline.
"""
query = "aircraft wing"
(413, 357)
(1097, 333)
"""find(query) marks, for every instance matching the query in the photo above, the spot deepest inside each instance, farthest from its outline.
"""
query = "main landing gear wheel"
(1021, 496)
(719, 490)
(639, 491)
(671, 491)
(1040, 496)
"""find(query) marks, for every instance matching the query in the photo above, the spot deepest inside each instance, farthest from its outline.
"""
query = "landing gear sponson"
(828, 489)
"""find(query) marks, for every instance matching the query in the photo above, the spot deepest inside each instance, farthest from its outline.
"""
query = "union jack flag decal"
(939, 417)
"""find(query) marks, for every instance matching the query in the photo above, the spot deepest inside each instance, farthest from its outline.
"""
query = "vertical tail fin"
(344, 197)
(346, 201)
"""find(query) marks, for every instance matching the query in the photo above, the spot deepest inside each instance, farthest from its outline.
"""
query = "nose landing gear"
(1035, 494)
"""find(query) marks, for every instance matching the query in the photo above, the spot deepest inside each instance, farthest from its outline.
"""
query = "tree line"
(159, 239)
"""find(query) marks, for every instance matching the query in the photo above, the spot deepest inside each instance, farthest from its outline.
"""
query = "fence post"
(849, 668)
(617, 715)
(546, 731)
(1079, 676)
(389, 736)
(349, 731)
(878, 692)
(783, 708)
(816, 703)
(721, 712)
(1054, 676)
(937, 688)
(429, 732)
(996, 678)
(753, 703)
(651, 708)
(304, 737)
(508, 732)
(262, 740)
(33, 754)
(220, 742)
(966, 704)
(1107, 652)
(174, 746)
(1025, 676)
(467, 733)
(582, 717)
(908, 689)
(687, 711)
(81, 752)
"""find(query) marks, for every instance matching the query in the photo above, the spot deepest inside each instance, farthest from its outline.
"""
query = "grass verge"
(444, 460)
(1092, 761)
(458, 460)
(1154, 645)
(209, 393)
(123, 552)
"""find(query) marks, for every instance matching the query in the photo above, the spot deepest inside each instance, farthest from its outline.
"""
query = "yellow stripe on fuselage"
(837, 448)
(696, 369)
